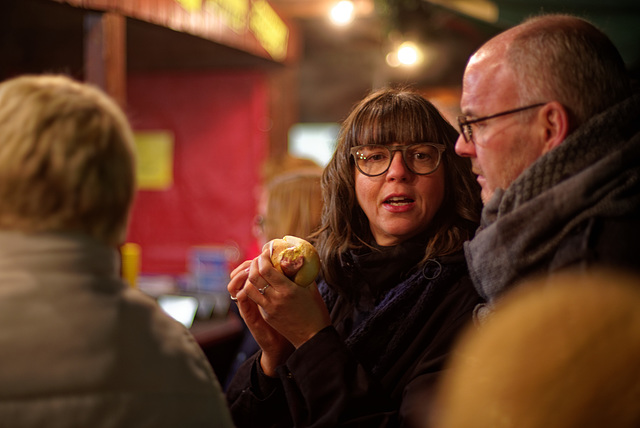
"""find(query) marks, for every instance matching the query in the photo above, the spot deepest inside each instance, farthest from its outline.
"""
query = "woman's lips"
(398, 203)
(398, 200)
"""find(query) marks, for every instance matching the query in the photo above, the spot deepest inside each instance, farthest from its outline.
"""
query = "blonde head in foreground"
(66, 159)
(558, 353)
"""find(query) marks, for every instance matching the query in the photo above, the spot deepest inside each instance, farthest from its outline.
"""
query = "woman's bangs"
(391, 126)
(408, 124)
(366, 130)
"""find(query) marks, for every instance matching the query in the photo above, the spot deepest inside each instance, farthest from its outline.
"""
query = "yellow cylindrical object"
(130, 254)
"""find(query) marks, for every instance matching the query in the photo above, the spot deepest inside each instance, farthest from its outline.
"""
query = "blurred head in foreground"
(66, 159)
(562, 352)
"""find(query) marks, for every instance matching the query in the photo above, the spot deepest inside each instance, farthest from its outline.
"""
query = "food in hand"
(296, 258)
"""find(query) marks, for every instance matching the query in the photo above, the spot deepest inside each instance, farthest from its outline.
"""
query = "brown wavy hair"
(393, 115)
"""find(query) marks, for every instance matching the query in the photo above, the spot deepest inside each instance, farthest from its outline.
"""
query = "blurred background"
(222, 94)
(340, 63)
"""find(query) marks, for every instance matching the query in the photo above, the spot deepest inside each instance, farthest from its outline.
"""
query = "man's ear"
(555, 124)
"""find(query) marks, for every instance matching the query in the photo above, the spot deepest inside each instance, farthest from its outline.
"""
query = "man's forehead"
(486, 80)
(479, 87)
(483, 55)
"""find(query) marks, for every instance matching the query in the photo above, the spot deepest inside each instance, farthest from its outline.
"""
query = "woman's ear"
(555, 124)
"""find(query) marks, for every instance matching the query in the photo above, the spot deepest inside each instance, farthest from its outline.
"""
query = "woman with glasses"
(365, 346)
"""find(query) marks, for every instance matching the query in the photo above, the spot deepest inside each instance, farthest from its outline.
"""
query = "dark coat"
(379, 374)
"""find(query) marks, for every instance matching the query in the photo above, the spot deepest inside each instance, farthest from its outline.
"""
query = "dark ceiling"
(620, 19)
(338, 65)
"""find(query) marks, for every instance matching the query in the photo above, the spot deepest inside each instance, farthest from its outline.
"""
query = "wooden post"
(283, 94)
(105, 53)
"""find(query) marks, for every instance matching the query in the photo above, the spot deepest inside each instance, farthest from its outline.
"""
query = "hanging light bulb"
(342, 12)
(409, 54)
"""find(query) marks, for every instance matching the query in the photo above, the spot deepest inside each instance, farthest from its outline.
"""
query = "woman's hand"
(276, 310)
(275, 347)
(297, 313)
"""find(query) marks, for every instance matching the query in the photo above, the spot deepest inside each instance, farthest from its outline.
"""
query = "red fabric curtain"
(220, 142)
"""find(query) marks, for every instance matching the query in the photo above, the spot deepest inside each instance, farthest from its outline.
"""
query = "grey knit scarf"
(594, 172)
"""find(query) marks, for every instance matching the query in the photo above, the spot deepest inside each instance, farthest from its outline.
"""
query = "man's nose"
(465, 149)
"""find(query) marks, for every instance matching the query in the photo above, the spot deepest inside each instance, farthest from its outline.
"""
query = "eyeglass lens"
(467, 132)
(465, 129)
(375, 160)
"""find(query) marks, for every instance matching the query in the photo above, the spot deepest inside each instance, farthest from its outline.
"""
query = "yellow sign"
(269, 29)
(234, 12)
(260, 18)
(190, 5)
(154, 160)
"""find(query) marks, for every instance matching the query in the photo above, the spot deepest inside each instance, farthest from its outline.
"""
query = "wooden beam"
(105, 53)
(259, 30)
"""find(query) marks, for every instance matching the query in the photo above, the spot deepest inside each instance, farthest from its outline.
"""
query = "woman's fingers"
(242, 267)
(257, 274)
(266, 296)
(238, 278)
(265, 280)
(275, 347)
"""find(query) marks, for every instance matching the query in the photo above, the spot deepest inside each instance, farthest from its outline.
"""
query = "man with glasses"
(551, 125)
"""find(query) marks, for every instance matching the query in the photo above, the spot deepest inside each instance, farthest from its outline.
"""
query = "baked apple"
(295, 258)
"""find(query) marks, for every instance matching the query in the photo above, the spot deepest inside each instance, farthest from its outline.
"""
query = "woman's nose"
(397, 169)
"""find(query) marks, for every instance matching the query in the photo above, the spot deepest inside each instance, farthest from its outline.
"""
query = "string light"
(342, 12)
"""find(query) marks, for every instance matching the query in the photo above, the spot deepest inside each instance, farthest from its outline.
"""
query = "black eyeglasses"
(375, 159)
(465, 125)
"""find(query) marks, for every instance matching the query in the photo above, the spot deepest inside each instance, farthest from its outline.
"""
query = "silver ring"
(233, 299)
(263, 289)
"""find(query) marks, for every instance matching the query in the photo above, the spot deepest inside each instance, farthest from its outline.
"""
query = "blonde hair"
(66, 159)
(294, 204)
(559, 352)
